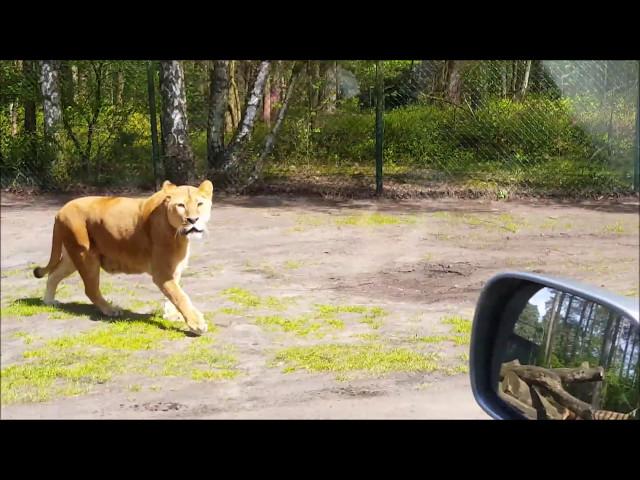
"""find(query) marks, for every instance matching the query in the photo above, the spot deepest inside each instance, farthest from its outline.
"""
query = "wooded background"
(523, 125)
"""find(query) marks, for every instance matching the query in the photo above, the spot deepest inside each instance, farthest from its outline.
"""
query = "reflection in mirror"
(571, 359)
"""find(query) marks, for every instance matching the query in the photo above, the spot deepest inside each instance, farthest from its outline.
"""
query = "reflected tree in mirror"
(571, 358)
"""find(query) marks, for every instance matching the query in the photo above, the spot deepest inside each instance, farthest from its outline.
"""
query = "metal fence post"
(155, 156)
(379, 125)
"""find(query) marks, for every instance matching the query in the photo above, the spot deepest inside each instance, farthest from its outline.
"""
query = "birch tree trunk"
(50, 87)
(178, 160)
(243, 133)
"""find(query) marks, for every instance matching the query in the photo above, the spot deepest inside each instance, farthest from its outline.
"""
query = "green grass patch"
(59, 372)
(28, 307)
(503, 221)
(247, 299)
(74, 364)
(231, 311)
(201, 362)
(369, 337)
(292, 265)
(460, 332)
(323, 318)
(26, 337)
(339, 358)
(300, 326)
(459, 324)
(374, 220)
(615, 228)
(368, 315)
(457, 370)
(431, 338)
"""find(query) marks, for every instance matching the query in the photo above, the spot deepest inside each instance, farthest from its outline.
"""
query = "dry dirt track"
(419, 261)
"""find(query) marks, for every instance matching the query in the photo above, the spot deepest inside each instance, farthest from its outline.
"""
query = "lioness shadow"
(90, 311)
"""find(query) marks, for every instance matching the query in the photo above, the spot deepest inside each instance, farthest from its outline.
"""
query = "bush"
(536, 143)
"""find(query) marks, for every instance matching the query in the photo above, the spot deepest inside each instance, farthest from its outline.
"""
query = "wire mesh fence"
(535, 124)
(499, 126)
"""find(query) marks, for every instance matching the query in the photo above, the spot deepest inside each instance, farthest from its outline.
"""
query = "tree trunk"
(514, 78)
(233, 109)
(95, 114)
(66, 84)
(525, 80)
(266, 103)
(276, 91)
(13, 113)
(315, 81)
(178, 159)
(271, 138)
(117, 79)
(243, 134)
(564, 332)
(605, 84)
(454, 81)
(624, 353)
(330, 92)
(579, 329)
(504, 80)
(607, 341)
(614, 343)
(29, 96)
(50, 86)
(218, 102)
(555, 311)
(630, 365)
(75, 78)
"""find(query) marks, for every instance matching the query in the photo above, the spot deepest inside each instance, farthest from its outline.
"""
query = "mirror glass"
(569, 358)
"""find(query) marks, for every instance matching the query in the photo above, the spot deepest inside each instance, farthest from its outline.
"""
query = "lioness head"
(188, 208)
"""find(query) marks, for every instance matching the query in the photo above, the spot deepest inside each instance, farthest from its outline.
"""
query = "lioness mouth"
(192, 230)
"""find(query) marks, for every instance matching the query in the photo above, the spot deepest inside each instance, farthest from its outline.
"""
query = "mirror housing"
(499, 306)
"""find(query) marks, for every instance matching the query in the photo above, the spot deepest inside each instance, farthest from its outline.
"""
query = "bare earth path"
(353, 279)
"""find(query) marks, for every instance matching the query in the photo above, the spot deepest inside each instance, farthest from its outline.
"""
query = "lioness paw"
(199, 326)
(111, 312)
(200, 329)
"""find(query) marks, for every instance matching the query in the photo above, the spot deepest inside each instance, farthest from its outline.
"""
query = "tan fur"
(127, 235)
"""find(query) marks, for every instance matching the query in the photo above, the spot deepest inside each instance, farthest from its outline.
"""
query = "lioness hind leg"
(62, 271)
(88, 265)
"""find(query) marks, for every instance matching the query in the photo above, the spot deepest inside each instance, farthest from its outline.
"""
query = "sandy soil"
(419, 260)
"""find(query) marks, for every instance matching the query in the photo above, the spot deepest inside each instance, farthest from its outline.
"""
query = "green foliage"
(558, 138)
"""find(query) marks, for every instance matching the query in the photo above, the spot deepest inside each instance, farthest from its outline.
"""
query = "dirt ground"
(412, 263)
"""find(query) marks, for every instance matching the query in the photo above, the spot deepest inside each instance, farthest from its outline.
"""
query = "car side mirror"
(549, 348)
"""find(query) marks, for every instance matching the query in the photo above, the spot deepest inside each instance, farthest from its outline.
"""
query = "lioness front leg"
(194, 319)
(170, 311)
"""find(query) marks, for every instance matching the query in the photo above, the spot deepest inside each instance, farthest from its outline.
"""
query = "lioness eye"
(181, 205)
(199, 204)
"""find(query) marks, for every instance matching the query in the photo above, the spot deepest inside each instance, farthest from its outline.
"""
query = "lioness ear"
(167, 189)
(206, 187)
(167, 186)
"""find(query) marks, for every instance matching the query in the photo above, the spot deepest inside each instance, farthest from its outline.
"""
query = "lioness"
(127, 235)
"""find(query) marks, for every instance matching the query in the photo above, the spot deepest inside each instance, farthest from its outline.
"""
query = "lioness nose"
(192, 220)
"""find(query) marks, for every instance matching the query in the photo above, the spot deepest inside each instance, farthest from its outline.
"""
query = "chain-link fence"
(541, 125)
(467, 126)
